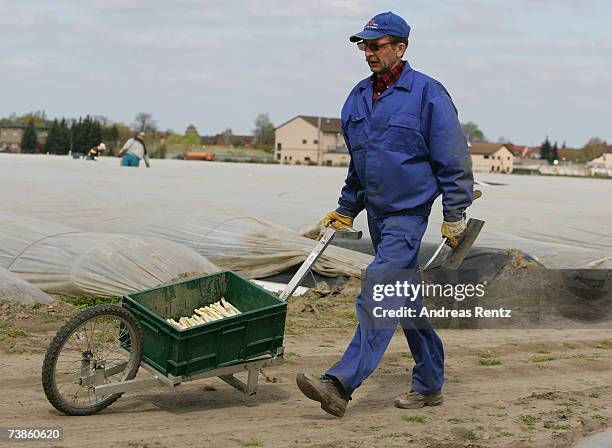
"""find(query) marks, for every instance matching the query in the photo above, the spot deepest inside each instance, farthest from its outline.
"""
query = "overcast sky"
(520, 69)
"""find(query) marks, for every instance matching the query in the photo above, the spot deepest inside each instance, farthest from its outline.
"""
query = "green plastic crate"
(257, 331)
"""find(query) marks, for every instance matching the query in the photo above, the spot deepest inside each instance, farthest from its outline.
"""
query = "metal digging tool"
(454, 259)
(329, 234)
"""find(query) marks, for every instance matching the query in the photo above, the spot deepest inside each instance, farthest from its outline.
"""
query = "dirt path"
(549, 389)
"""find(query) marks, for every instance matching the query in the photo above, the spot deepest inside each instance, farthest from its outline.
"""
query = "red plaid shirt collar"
(386, 80)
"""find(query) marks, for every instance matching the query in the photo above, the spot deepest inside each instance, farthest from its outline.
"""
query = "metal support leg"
(234, 382)
(252, 381)
(251, 385)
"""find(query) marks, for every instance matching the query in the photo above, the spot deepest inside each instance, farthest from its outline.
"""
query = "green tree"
(29, 139)
(52, 145)
(63, 138)
(125, 132)
(545, 149)
(75, 136)
(96, 133)
(91, 134)
(191, 138)
(472, 132)
(264, 131)
(39, 117)
(554, 154)
(110, 134)
(159, 152)
(79, 137)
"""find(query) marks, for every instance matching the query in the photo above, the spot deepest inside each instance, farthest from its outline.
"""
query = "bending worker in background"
(134, 150)
(407, 147)
(95, 152)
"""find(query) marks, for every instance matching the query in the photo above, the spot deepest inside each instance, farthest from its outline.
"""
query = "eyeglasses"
(372, 46)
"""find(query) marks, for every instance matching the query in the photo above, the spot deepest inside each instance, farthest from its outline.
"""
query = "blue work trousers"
(130, 160)
(396, 240)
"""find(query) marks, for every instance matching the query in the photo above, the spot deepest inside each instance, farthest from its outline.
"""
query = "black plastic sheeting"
(481, 264)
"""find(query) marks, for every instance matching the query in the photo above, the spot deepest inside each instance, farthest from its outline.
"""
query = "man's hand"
(337, 221)
(454, 232)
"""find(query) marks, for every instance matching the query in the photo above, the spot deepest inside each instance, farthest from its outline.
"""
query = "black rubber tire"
(49, 363)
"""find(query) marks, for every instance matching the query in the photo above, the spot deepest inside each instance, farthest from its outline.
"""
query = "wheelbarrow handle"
(322, 244)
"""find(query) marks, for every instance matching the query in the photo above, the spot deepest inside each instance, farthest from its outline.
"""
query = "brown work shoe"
(324, 391)
(415, 400)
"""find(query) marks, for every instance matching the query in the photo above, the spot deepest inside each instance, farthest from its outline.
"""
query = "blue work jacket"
(406, 149)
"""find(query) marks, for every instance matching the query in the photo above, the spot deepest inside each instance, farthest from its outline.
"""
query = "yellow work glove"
(337, 221)
(454, 232)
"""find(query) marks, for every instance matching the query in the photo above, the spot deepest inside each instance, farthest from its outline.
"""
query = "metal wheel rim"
(94, 344)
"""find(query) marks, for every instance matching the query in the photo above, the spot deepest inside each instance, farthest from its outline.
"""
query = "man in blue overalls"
(407, 147)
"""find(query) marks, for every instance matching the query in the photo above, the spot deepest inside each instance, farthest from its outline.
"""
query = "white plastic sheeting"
(254, 247)
(564, 222)
(184, 209)
(64, 260)
(15, 289)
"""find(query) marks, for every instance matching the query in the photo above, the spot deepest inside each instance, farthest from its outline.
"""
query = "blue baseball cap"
(383, 24)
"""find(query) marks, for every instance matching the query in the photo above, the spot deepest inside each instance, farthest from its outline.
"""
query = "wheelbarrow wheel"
(101, 345)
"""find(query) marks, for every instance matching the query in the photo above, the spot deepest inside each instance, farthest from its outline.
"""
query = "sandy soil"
(504, 388)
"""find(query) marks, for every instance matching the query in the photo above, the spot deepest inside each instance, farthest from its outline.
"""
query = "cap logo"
(371, 24)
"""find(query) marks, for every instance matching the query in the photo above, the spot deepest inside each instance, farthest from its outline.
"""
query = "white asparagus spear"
(174, 323)
(203, 315)
(185, 322)
(210, 315)
(229, 306)
(225, 306)
(181, 323)
(220, 310)
(204, 312)
(197, 319)
(214, 313)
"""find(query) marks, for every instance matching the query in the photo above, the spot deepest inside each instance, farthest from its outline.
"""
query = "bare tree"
(101, 119)
(143, 122)
(595, 147)
(226, 136)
